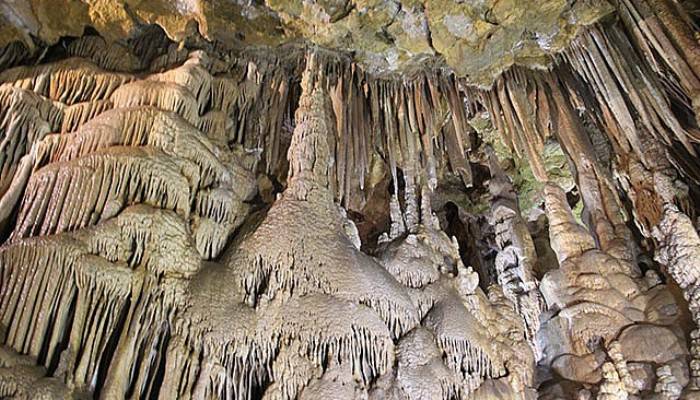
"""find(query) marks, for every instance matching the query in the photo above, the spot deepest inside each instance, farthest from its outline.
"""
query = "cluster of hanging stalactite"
(129, 184)
(133, 266)
(620, 102)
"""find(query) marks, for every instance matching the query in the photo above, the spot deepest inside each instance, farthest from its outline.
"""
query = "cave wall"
(185, 219)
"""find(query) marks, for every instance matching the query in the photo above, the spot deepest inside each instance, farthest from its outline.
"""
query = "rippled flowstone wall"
(339, 200)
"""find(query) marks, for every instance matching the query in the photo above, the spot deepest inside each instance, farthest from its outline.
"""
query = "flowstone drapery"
(350, 200)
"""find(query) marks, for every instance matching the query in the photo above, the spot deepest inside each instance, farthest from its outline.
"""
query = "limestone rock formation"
(339, 199)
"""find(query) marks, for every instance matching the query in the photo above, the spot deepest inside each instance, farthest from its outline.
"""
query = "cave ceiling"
(368, 199)
(477, 39)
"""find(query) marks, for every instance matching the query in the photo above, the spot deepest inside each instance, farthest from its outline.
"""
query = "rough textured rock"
(390, 35)
(349, 199)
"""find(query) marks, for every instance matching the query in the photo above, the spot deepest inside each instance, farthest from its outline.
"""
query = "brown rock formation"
(250, 200)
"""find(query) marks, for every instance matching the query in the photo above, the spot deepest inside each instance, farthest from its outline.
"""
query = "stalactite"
(75, 289)
(139, 126)
(25, 118)
(656, 110)
(13, 54)
(224, 94)
(216, 124)
(76, 115)
(257, 96)
(407, 260)
(73, 194)
(403, 120)
(602, 205)
(69, 82)
(285, 265)
(112, 56)
(510, 105)
(638, 118)
(466, 350)
(192, 75)
(19, 101)
(163, 95)
(44, 286)
(12, 197)
(199, 164)
(362, 340)
(103, 291)
(455, 311)
(658, 29)
(291, 372)
(362, 343)
(602, 209)
(139, 262)
(141, 235)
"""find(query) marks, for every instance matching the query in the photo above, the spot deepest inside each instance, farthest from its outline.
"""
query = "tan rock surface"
(313, 199)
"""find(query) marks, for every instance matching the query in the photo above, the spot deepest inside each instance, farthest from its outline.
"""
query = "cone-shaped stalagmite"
(343, 200)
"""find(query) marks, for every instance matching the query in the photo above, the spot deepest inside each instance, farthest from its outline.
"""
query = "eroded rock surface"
(349, 200)
(387, 35)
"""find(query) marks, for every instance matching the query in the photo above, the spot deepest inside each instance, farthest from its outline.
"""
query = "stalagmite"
(603, 301)
(615, 354)
(612, 388)
(515, 263)
(679, 251)
(338, 200)
(667, 386)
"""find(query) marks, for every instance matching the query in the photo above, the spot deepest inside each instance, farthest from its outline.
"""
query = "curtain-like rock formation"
(194, 210)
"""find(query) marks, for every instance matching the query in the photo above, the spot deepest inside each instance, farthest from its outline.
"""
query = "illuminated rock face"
(181, 220)
(477, 38)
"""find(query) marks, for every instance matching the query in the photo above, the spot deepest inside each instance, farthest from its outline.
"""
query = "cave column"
(516, 260)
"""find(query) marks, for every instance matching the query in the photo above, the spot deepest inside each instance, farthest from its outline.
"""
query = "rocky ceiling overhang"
(478, 39)
(246, 207)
